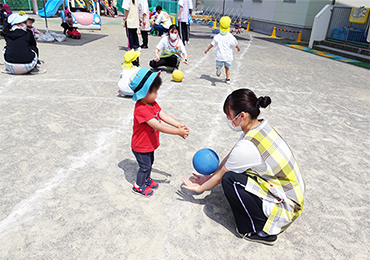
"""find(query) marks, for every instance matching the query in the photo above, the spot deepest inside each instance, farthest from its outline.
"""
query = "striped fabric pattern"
(281, 183)
(18, 68)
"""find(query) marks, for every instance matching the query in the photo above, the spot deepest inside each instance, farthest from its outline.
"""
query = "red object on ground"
(74, 34)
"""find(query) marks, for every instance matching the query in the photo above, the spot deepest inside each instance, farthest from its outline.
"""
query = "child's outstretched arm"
(237, 47)
(181, 131)
(170, 120)
(209, 47)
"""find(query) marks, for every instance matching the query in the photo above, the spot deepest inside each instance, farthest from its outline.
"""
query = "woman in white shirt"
(132, 22)
(172, 50)
(260, 177)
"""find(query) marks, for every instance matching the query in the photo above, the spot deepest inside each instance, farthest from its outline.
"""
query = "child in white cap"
(147, 125)
(225, 41)
(130, 67)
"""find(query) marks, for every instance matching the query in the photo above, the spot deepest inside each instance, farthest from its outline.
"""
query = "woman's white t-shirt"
(168, 48)
(245, 155)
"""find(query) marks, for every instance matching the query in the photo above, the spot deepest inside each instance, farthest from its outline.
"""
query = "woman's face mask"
(234, 128)
(173, 36)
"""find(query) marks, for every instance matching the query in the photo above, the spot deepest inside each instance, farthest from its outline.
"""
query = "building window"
(256, 0)
(289, 1)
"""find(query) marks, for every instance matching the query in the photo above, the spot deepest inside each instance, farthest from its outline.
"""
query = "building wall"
(353, 2)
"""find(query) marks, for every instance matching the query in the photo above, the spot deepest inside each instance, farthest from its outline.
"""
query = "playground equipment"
(299, 38)
(81, 20)
(105, 5)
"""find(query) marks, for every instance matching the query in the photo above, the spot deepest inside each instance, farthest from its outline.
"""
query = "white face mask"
(173, 36)
(234, 128)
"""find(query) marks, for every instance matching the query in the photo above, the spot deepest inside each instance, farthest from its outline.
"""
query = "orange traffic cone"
(299, 38)
(273, 35)
(215, 25)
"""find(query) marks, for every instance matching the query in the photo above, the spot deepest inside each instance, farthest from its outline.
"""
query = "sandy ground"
(67, 168)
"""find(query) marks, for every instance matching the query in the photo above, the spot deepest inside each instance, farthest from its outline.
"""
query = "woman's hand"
(156, 57)
(200, 179)
(190, 185)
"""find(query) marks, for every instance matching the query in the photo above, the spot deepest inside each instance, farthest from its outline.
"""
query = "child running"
(225, 41)
(147, 125)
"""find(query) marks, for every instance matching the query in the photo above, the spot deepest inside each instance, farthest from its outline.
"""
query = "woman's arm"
(125, 15)
(181, 131)
(179, 14)
(156, 53)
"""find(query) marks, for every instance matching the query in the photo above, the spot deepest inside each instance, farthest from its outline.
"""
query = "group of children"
(143, 85)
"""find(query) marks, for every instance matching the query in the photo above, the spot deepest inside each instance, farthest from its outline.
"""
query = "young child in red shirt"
(147, 125)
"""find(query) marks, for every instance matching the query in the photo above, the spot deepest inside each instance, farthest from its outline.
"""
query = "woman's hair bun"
(264, 101)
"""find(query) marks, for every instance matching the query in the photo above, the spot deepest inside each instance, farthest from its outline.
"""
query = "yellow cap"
(225, 25)
(130, 56)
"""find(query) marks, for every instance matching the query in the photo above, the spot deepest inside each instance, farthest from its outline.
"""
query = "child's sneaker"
(143, 190)
(218, 71)
(227, 81)
(151, 184)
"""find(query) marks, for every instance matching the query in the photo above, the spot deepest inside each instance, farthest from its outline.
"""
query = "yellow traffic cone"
(273, 35)
(215, 25)
(299, 37)
(248, 26)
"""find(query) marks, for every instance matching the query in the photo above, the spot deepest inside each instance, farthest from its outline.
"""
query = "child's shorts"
(224, 63)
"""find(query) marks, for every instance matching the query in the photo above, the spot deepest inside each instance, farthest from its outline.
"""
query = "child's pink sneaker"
(151, 184)
(143, 190)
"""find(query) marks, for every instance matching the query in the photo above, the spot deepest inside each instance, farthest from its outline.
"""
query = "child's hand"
(38, 32)
(238, 48)
(205, 52)
(183, 132)
(181, 125)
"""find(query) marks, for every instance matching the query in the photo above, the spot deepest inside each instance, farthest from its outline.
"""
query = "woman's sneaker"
(227, 81)
(268, 240)
(143, 190)
(151, 183)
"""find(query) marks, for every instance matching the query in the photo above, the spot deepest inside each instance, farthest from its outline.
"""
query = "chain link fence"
(21, 4)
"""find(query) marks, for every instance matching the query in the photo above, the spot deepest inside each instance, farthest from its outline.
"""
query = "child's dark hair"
(244, 100)
(157, 82)
(158, 8)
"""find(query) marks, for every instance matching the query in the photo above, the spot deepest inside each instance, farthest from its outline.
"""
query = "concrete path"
(67, 168)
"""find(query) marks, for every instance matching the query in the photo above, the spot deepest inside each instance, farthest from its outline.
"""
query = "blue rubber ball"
(205, 161)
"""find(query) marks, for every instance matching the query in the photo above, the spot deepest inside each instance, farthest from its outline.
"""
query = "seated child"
(34, 32)
(129, 68)
(148, 116)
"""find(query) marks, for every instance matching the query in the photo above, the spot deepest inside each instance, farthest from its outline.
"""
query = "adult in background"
(4, 8)
(144, 22)
(185, 9)
(131, 19)
(19, 58)
(260, 176)
(162, 21)
(172, 50)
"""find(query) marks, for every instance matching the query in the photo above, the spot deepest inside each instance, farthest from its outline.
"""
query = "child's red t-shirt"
(144, 138)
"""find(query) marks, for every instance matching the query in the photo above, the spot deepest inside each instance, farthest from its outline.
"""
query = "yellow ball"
(177, 75)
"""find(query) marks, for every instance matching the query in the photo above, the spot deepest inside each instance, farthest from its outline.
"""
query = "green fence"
(21, 4)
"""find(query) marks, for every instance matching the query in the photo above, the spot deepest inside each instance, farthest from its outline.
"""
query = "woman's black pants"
(171, 61)
(246, 207)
